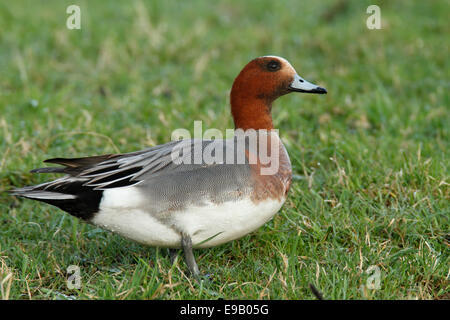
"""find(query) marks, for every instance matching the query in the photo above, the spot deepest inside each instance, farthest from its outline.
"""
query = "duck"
(172, 195)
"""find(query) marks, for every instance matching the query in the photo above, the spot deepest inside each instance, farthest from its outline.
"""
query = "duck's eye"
(273, 65)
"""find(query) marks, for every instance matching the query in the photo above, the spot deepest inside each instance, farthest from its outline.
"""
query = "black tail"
(67, 194)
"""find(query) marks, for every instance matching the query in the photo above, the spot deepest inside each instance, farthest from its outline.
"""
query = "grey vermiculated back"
(166, 184)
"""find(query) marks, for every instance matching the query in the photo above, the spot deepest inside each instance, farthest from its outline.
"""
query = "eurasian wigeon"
(153, 198)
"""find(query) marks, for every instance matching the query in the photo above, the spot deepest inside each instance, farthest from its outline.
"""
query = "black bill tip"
(319, 90)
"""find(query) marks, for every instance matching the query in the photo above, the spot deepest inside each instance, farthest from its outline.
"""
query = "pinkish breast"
(276, 184)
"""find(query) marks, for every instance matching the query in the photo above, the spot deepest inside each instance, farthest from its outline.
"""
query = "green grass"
(371, 158)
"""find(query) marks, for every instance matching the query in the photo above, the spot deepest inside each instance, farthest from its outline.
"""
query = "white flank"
(123, 211)
(226, 221)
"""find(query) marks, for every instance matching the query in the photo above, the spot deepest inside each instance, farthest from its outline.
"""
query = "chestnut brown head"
(263, 80)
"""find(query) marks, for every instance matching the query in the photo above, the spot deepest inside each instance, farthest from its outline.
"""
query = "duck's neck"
(253, 113)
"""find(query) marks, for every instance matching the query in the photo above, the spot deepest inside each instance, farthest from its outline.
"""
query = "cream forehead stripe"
(299, 82)
(281, 59)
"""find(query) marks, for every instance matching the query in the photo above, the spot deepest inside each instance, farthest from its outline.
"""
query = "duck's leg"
(173, 255)
(186, 244)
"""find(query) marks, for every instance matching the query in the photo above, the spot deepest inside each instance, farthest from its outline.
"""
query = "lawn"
(368, 212)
